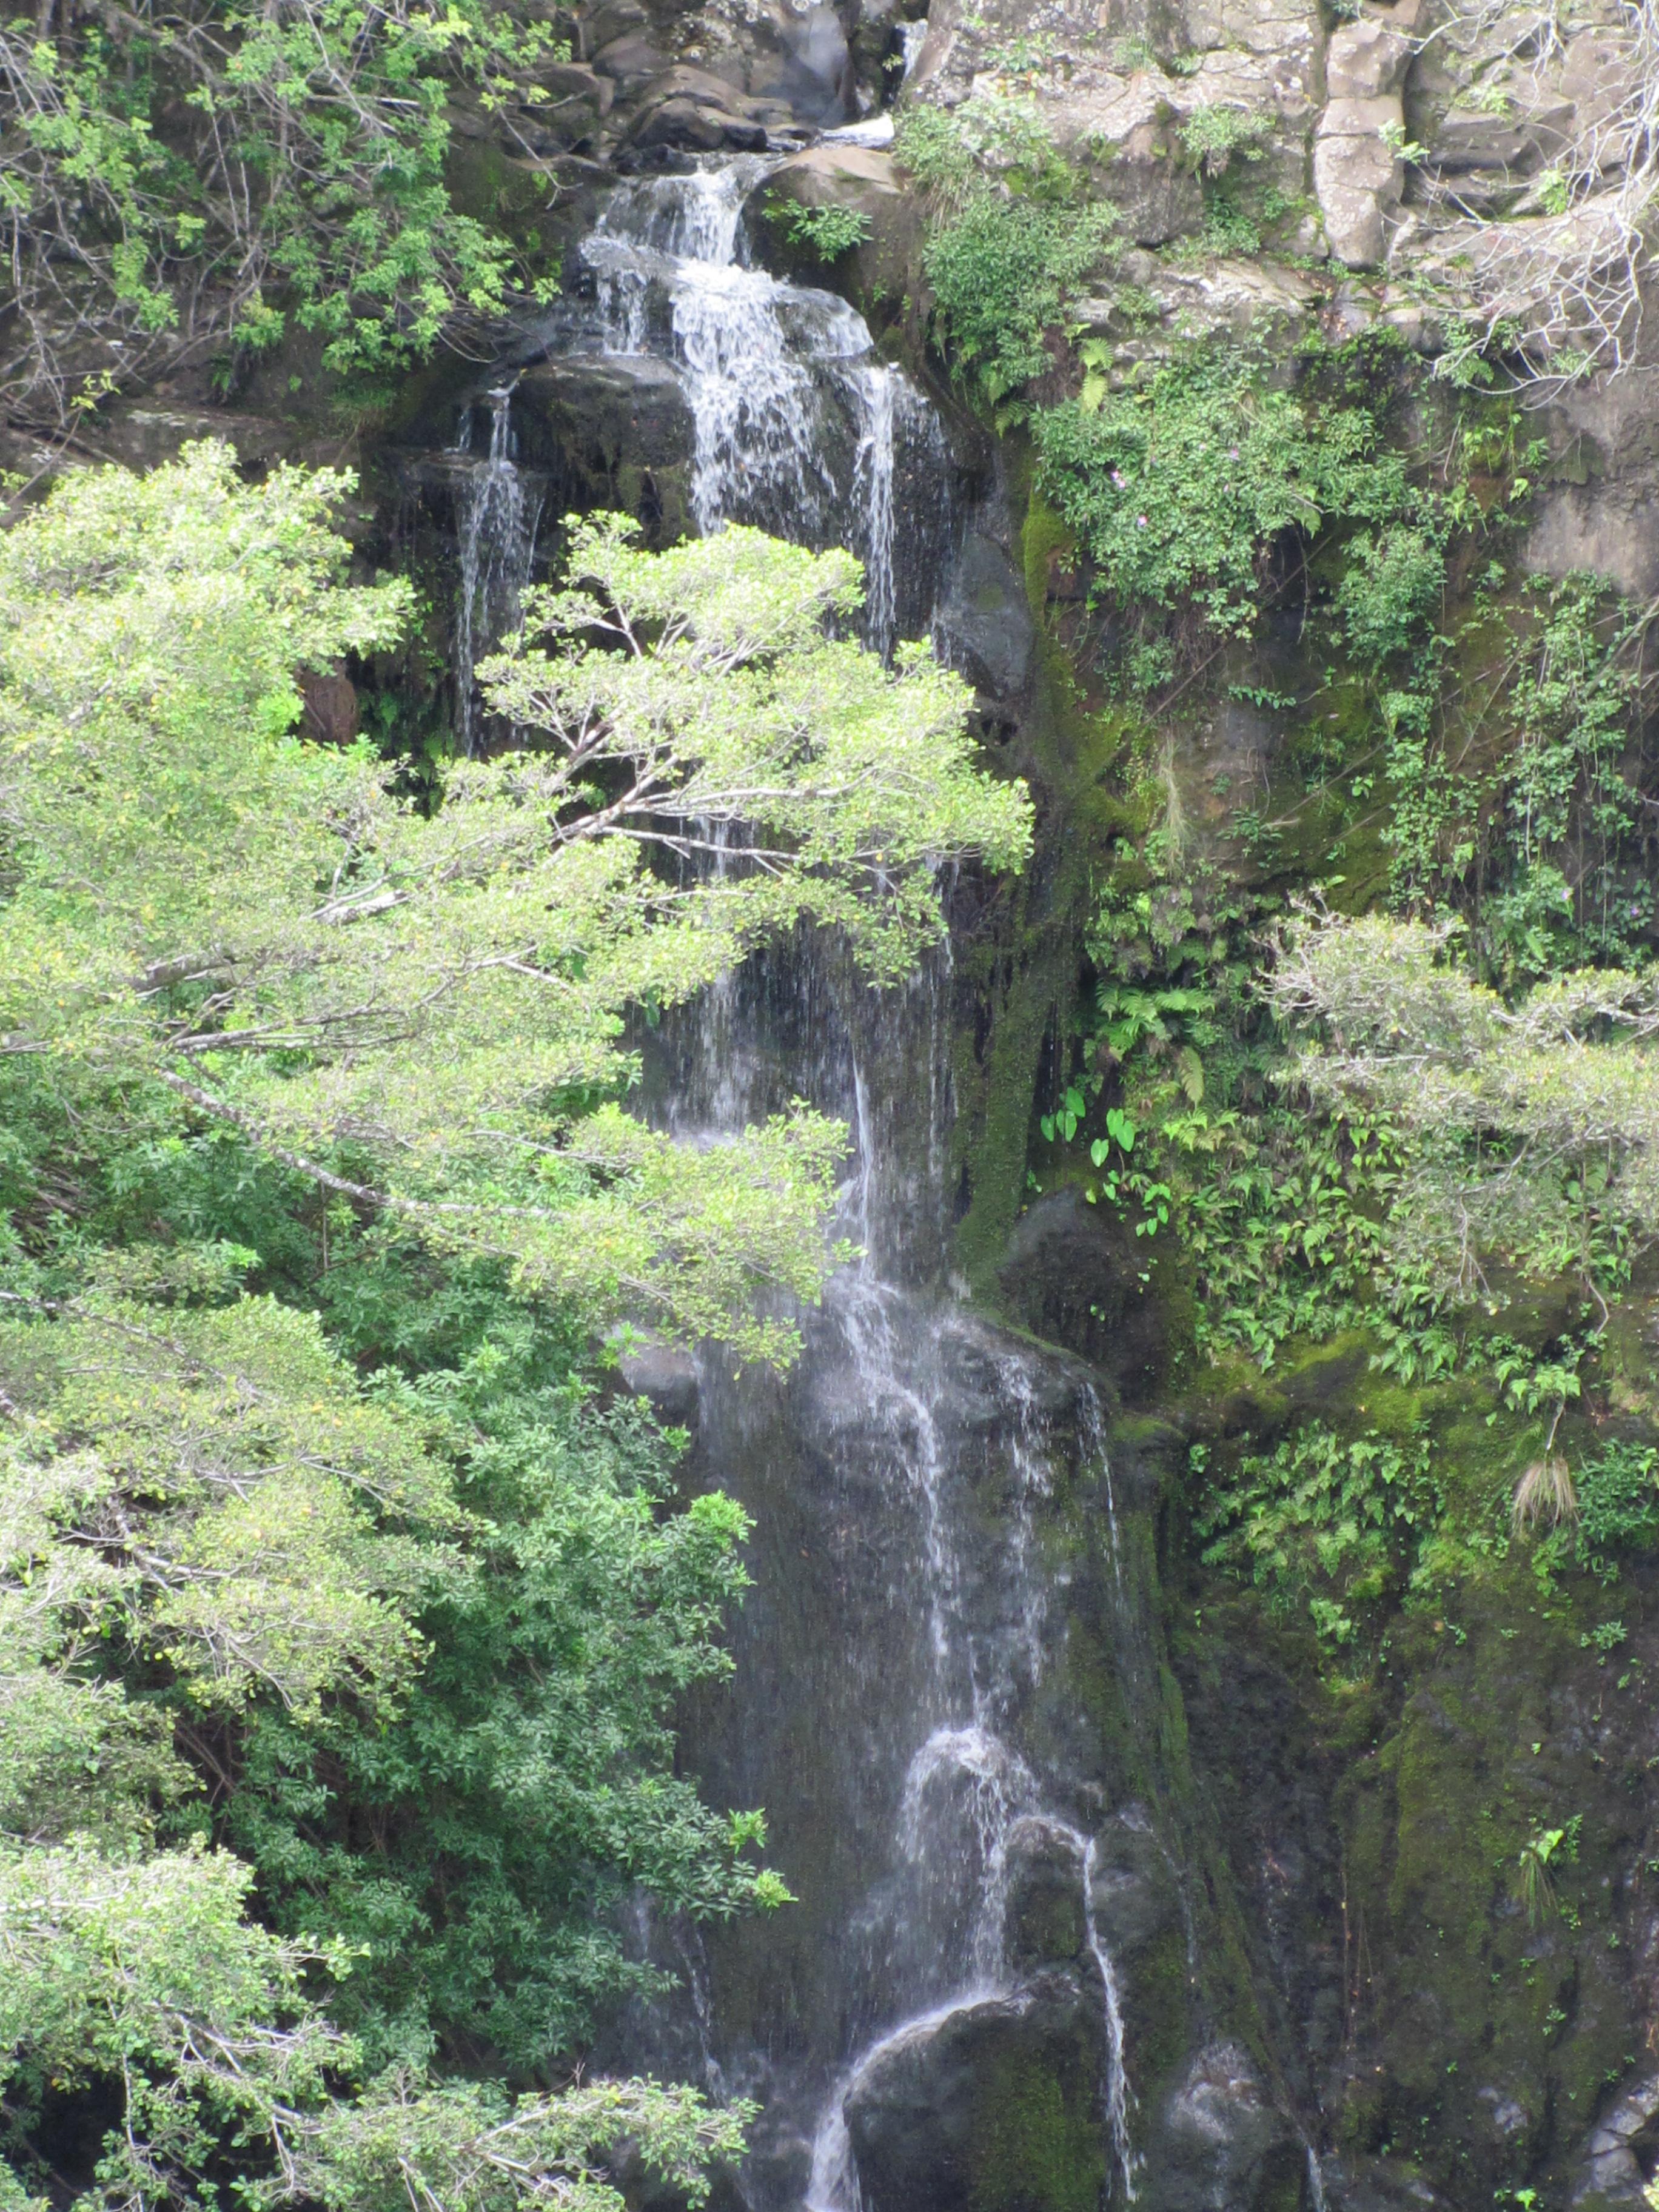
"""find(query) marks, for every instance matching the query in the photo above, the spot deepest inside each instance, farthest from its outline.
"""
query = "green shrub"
(1003, 273)
(1323, 1524)
(1177, 489)
(1212, 135)
(1393, 582)
(828, 232)
(949, 153)
(1618, 1504)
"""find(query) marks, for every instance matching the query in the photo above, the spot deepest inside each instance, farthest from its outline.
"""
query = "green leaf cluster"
(197, 178)
(1328, 1526)
(828, 232)
(1178, 489)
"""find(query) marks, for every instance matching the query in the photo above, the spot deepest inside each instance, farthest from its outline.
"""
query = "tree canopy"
(343, 1607)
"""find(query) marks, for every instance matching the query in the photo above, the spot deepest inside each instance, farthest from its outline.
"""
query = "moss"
(1069, 743)
(1037, 2143)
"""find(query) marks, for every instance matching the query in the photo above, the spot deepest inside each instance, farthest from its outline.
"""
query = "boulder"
(1044, 1918)
(1237, 297)
(991, 2106)
(664, 1375)
(1620, 2152)
(695, 127)
(801, 59)
(330, 699)
(984, 619)
(1365, 60)
(144, 437)
(610, 432)
(1068, 1275)
(564, 81)
(631, 59)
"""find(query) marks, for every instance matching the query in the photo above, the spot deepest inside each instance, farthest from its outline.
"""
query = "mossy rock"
(994, 2107)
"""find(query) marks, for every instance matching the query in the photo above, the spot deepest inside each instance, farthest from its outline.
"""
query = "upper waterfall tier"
(800, 425)
(717, 392)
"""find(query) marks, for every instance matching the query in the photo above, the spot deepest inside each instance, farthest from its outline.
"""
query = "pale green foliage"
(467, 2147)
(149, 1972)
(227, 1501)
(268, 926)
(1529, 1132)
(224, 1556)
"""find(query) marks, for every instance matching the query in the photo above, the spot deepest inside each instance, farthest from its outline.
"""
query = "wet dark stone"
(606, 429)
(985, 621)
(994, 2106)
(666, 1376)
(1072, 1274)
(1044, 1922)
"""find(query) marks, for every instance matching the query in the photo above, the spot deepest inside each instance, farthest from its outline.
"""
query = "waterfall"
(495, 535)
(906, 1471)
(937, 1698)
(799, 428)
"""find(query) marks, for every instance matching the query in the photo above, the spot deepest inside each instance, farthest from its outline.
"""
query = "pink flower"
(1140, 522)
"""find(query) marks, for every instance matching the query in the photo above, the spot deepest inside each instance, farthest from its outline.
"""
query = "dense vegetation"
(1372, 1064)
(185, 183)
(342, 1602)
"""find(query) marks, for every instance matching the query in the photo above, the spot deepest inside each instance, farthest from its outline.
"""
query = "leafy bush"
(196, 178)
(950, 153)
(1393, 583)
(331, 1598)
(828, 232)
(1212, 135)
(1003, 271)
(1618, 1504)
(1177, 489)
(1323, 1524)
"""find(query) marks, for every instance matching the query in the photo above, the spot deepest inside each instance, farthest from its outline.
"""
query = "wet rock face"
(1070, 1274)
(994, 2108)
(1222, 2146)
(614, 433)
(984, 621)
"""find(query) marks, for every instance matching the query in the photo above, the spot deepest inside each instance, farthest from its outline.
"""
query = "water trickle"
(1117, 2079)
(495, 533)
(873, 478)
(1315, 2180)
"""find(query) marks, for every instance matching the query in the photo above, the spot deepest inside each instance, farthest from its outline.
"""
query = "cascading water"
(496, 518)
(800, 428)
(906, 1422)
(899, 1651)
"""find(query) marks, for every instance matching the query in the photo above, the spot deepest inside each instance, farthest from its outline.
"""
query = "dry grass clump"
(1544, 1496)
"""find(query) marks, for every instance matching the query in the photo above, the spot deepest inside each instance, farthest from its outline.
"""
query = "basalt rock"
(992, 2108)
(1222, 2145)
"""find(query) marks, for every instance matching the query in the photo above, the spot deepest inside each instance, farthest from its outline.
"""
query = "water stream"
(496, 512)
(899, 1637)
(916, 1453)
